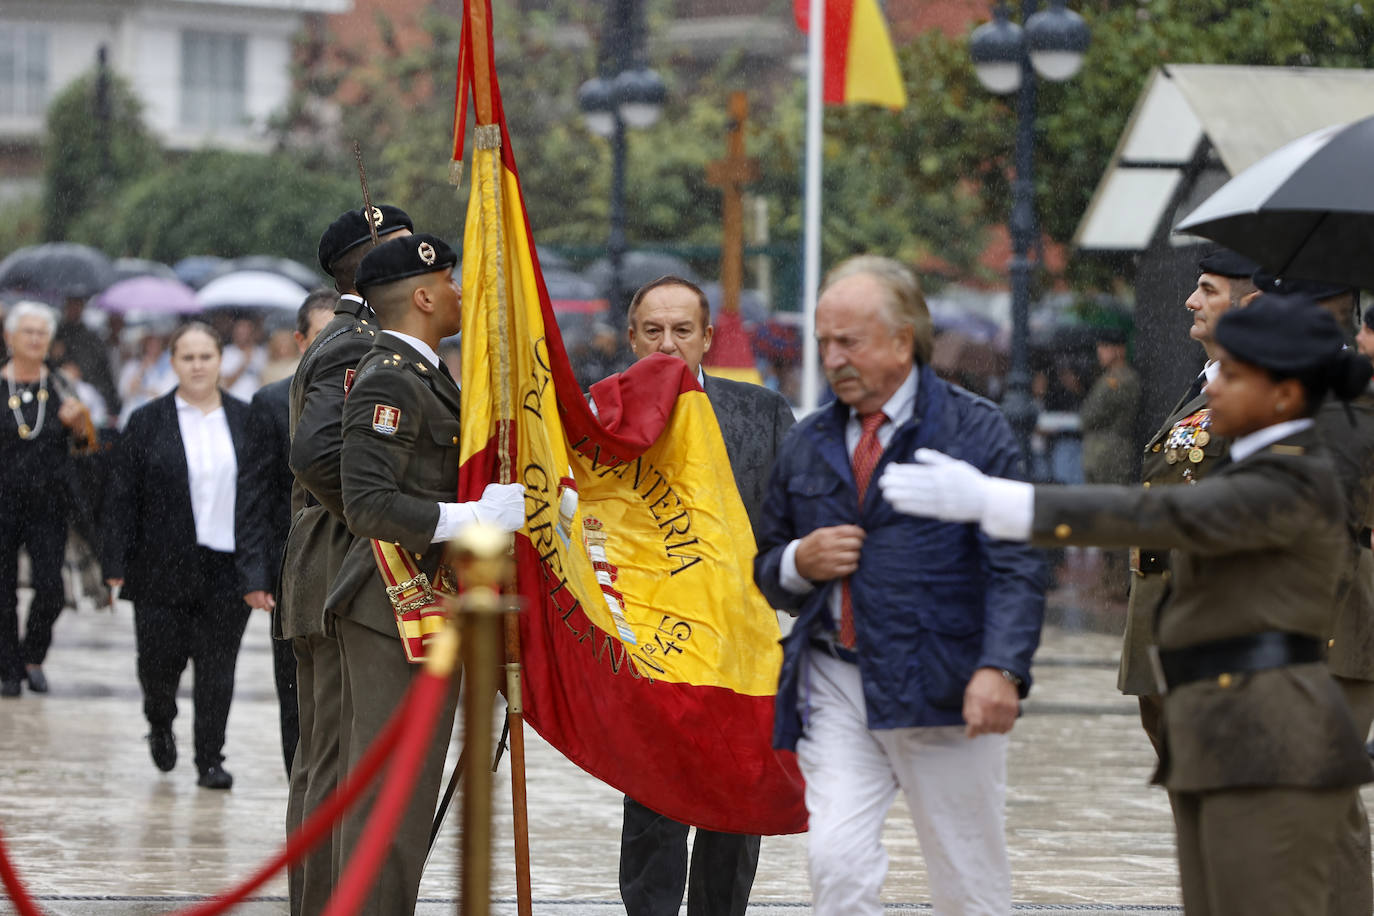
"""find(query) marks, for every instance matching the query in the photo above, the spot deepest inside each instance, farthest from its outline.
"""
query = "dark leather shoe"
(9, 689)
(162, 744)
(215, 777)
(38, 683)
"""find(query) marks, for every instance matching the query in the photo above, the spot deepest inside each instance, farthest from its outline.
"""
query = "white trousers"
(955, 788)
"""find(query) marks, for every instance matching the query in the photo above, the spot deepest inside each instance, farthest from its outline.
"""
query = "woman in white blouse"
(168, 522)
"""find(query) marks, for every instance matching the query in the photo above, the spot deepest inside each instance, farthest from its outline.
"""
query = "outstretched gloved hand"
(936, 486)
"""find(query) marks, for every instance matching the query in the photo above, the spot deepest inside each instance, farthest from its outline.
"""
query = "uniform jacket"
(319, 537)
(266, 520)
(933, 600)
(1351, 645)
(149, 530)
(1136, 675)
(753, 421)
(1257, 546)
(1108, 418)
(394, 479)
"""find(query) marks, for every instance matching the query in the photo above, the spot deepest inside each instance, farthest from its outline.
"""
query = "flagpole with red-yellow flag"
(650, 657)
(849, 59)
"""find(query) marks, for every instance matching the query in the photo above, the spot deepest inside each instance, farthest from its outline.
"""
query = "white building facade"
(208, 72)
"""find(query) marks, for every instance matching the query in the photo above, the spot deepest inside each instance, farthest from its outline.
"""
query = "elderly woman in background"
(42, 423)
(168, 524)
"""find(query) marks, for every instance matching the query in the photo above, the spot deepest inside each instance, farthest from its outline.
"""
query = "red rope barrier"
(410, 727)
(323, 819)
(17, 892)
(428, 691)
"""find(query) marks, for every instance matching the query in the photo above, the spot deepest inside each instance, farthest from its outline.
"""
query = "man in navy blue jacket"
(913, 641)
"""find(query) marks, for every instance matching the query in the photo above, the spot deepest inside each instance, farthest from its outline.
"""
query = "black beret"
(1226, 263)
(1287, 333)
(1268, 283)
(350, 230)
(405, 257)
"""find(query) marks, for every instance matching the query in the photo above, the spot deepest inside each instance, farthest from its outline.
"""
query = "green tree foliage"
(225, 204)
(94, 147)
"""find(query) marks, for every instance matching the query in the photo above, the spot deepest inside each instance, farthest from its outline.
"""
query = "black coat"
(262, 523)
(148, 525)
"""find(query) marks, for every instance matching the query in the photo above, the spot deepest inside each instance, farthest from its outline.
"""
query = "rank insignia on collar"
(348, 380)
(386, 419)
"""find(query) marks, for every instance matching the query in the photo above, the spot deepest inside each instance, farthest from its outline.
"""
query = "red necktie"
(864, 460)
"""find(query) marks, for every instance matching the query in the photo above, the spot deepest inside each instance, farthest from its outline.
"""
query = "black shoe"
(9, 688)
(162, 744)
(38, 683)
(215, 777)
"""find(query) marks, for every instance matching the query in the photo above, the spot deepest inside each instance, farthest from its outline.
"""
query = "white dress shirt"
(212, 467)
(899, 409)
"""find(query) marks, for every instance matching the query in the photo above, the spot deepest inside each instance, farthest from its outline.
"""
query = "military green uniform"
(1350, 651)
(1108, 416)
(1169, 458)
(399, 461)
(315, 549)
(1261, 766)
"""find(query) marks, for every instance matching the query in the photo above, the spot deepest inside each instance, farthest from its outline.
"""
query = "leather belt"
(1226, 657)
(834, 650)
(1148, 562)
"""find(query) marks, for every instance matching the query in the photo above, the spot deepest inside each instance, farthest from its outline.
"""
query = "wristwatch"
(1012, 678)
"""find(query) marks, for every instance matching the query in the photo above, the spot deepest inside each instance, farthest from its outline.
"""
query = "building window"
(23, 71)
(213, 79)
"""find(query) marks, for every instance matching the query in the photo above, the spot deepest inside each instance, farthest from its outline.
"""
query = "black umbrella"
(57, 269)
(1305, 210)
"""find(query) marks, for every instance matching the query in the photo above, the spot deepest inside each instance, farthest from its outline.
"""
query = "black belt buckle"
(1224, 658)
(834, 650)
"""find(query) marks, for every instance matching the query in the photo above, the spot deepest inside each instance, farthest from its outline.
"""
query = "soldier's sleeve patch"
(348, 380)
(386, 419)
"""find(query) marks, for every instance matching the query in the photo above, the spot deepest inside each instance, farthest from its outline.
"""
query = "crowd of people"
(893, 523)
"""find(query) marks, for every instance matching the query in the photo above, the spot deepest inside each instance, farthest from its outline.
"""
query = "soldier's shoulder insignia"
(386, 419)
(349, 375)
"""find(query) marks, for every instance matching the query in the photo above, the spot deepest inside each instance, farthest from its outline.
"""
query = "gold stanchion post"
(483, 553)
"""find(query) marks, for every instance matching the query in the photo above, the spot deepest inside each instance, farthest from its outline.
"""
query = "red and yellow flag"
(860, 63)
(650, 657)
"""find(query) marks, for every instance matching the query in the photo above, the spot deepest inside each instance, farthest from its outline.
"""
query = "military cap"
(1226, 263)
(351, 230)
(1268, 283)
(399, 259)
(1287, 333)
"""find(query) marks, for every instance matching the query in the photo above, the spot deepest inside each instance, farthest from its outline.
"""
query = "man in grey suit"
(671, 316)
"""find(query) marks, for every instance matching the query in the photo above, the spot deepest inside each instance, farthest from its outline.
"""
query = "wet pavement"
(94, 828)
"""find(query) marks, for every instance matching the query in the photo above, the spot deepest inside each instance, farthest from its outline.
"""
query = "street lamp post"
(1007, 59)
(625, 93)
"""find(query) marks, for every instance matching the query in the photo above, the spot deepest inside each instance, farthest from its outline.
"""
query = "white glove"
(937, 486)
(502, 505)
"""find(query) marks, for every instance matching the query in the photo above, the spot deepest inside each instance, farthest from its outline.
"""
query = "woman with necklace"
(41, 424)
(168, 524)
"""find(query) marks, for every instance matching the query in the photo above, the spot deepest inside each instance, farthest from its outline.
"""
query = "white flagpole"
(811, 253)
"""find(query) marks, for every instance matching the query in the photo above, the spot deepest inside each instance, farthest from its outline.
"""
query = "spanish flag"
(860, 63)
(650, 658)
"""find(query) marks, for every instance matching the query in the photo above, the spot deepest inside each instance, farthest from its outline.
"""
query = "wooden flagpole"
(483, 98)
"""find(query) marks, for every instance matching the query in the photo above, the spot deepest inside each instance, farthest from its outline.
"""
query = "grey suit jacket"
(753, 421)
